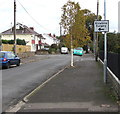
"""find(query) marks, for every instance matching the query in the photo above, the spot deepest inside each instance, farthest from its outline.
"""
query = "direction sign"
(101, 26)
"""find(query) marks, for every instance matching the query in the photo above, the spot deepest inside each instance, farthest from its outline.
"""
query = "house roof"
(20, 29)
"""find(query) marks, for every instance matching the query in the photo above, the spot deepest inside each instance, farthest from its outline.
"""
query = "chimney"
(32, 28)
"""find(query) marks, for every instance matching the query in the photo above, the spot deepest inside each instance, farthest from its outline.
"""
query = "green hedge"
(19, 42)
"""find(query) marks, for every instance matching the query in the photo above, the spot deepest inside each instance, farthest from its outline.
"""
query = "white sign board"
(101, 26)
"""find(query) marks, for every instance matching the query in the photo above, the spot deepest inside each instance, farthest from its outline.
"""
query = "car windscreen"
(79, 49)
(1, 55)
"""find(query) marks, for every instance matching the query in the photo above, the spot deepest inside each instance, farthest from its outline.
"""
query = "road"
(17, 82)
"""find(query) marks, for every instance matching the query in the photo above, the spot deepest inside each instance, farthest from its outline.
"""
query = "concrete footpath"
(75, 89)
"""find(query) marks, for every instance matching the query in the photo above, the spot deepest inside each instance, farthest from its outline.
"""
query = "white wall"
(27, 38)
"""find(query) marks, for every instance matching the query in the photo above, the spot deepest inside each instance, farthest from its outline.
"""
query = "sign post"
(103, 26)
(105, 47)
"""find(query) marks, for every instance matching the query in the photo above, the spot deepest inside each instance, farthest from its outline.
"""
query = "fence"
(113, 62)
(19, 48)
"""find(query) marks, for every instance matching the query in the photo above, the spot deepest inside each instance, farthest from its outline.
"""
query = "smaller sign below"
(101, 26)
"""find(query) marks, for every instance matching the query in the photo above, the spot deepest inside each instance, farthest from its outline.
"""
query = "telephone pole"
(0, 43)
(14, 48)
(96, 43)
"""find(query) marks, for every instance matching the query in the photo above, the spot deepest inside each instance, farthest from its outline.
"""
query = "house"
(35, 40)
(31, 37)
(47, 40)
(50, 39)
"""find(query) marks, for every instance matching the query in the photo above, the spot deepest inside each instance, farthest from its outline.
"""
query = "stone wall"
(26, 54)
(19, 48)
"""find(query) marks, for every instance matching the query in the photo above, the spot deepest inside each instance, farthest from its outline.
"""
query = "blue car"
(78, 51)
(8, 58)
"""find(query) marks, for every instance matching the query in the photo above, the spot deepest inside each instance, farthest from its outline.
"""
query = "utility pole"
(96, 39)
(105, 47)
(0, 43)
(14, 27)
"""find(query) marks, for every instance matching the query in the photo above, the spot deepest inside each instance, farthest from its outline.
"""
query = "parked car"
(8, 58)
(64, 50)
(78, 51)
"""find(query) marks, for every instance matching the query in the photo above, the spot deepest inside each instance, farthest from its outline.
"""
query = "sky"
(45, 15)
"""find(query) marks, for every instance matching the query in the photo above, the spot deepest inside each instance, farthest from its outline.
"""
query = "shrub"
(18, 41)
(52, 50)
(54, 46)
(5, 41)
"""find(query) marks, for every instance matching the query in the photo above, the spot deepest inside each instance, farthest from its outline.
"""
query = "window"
(2, 55)
(10, 55)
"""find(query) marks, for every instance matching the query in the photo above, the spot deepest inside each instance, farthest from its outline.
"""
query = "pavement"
(74, 89)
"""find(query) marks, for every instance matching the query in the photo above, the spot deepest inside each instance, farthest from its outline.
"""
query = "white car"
(64, 50)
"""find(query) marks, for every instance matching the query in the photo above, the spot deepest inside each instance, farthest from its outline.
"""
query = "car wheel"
(18, 64)
(7, 65)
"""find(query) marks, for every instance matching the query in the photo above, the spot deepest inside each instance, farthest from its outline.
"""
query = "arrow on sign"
(100, 29)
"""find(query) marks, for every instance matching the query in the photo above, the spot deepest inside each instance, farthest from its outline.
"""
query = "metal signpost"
(103, 26)
(105, 47)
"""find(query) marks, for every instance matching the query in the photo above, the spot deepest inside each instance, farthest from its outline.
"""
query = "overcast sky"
(47, 13)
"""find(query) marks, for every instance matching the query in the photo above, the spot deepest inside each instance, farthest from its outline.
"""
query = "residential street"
(75, 89)
(19, 81)
(60, 56)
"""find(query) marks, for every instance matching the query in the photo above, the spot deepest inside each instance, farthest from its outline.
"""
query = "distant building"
(119, 16)
(50, 39)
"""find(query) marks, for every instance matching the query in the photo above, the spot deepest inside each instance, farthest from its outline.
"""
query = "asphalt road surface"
(17, 82)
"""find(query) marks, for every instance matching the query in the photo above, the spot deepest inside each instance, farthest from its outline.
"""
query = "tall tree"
(90, 18)
(73, 23)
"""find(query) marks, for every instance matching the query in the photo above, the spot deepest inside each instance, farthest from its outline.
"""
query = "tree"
(113, 43)
(90, 18)
(73, 23)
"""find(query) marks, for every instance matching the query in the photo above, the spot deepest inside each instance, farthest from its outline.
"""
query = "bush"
(54, 46)
(19, 42)
(113, 42)
(52, 50)
(10, 41)
(5, 41)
